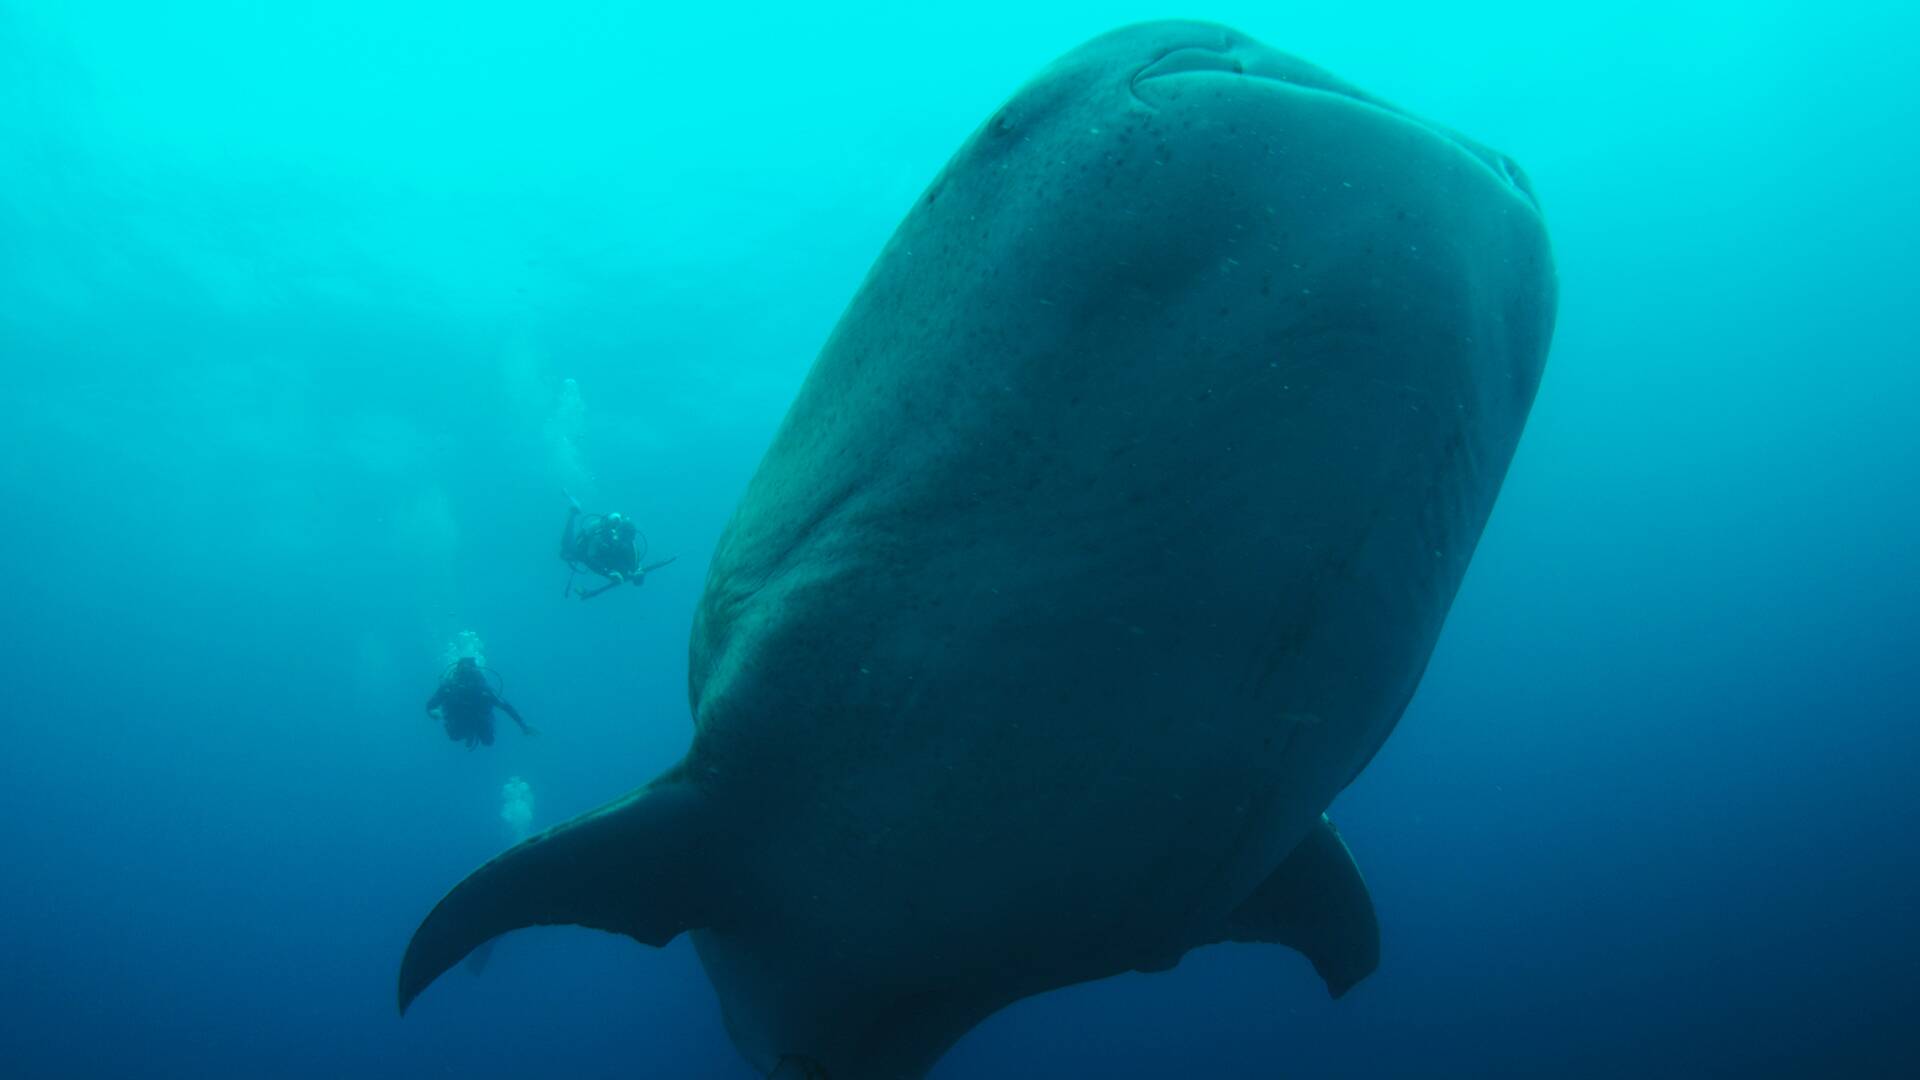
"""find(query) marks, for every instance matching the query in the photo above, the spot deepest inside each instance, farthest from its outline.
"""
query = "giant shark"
(1104, 544)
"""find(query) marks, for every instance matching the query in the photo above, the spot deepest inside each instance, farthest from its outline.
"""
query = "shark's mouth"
(1190, 58)
(1217, 60)
(1194, 60)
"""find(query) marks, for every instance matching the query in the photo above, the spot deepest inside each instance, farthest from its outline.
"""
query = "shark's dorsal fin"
(1316, 903)
(633, 867)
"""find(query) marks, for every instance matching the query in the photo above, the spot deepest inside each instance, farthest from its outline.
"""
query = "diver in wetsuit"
(465, 703)
(605, 544)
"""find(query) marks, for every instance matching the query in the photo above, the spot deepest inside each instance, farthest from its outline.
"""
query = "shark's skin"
(1104, 545)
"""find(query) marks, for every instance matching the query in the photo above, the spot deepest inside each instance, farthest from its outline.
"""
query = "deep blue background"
(287, 296)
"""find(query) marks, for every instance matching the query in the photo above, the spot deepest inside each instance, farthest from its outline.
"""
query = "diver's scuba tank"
(485, 678)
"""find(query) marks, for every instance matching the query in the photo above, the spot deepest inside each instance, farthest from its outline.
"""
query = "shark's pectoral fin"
(798, 1068)
(476, 964)
(1316, 903)
(633, 867)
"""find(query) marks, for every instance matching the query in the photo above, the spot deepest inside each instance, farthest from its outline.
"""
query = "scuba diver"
(604, 544)
(465, 703)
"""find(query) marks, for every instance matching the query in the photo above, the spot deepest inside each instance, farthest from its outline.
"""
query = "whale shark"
(1104, 544)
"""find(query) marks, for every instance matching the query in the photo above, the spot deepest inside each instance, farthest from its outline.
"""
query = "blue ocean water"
(308, 313)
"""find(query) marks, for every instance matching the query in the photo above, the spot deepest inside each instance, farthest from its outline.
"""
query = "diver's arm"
(435, 701)
(588, 594)
(514, 714)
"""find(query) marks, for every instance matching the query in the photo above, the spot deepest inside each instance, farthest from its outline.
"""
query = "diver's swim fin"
(634, 867)
(1317, 903)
